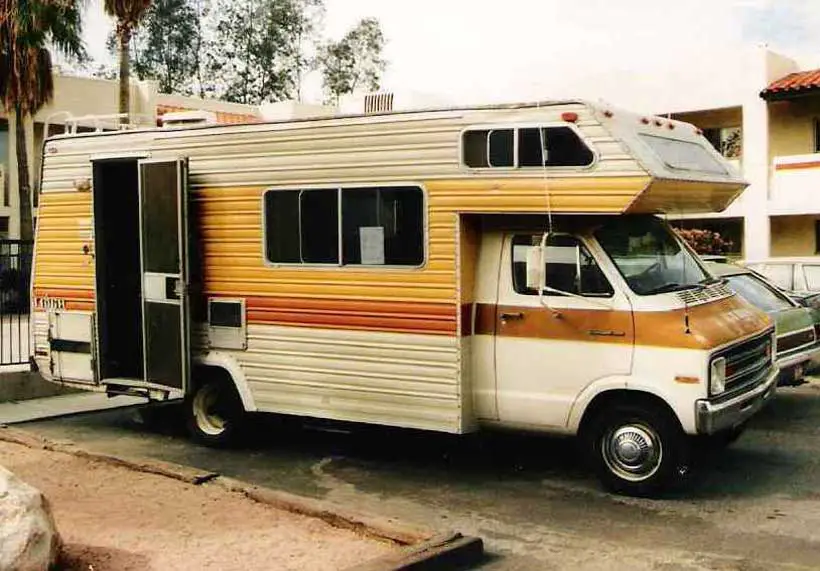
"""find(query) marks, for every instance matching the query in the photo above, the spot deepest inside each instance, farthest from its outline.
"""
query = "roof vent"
(188, 118)
(378, 102)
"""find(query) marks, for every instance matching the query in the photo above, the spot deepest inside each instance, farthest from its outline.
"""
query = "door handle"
(607, 333)
(514, 315)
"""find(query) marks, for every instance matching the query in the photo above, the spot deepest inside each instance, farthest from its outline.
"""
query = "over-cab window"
(524, 147)
(376, 226)
(569, 267)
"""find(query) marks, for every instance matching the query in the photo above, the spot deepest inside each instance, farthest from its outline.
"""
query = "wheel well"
(623, 396)
(203, 373)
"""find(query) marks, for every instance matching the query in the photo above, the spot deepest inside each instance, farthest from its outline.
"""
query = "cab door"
(548, 351)
(163, 191)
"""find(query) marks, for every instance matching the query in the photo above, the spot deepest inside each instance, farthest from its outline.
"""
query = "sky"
(469, 51)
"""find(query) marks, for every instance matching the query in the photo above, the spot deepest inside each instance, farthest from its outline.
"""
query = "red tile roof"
(793, 84)
(222, 117)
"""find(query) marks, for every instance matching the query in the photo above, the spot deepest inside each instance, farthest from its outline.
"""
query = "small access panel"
(163, 193)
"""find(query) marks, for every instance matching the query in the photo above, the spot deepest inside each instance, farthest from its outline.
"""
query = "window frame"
(583, 243)
(340, 265)
(490, 127)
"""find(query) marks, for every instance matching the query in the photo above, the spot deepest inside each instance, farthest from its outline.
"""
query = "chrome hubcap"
(632, 452)
(207, 413)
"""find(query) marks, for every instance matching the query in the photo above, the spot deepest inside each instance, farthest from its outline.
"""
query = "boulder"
(28, 537)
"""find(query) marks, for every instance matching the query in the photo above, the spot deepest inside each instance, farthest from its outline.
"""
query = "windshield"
(649, 255)
(758, 294)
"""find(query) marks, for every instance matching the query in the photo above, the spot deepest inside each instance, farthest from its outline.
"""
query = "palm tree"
(26, 83)
(128, 14)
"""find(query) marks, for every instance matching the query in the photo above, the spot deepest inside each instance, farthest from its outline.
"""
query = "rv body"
(376, 269)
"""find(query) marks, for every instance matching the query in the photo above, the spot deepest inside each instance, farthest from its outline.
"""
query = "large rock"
(28, 537)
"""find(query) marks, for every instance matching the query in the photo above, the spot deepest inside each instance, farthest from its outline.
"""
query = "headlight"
(717, 376)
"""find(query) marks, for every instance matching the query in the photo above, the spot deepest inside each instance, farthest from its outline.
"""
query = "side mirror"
(536, 265)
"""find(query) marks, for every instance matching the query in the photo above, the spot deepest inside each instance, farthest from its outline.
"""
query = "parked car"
(797, 327)
(798, 276)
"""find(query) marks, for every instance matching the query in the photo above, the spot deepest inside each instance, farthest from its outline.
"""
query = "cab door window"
(569, 267)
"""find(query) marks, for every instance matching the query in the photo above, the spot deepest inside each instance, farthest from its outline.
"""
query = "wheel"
(215, 413)
(637, 449)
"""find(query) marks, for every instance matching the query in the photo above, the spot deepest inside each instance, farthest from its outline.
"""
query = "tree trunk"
(125, 74)
(23, 187)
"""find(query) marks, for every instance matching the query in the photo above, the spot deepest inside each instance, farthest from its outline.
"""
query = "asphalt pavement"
(755, 506)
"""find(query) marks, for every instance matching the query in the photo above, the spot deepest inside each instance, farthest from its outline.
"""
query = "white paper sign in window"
(372, 245)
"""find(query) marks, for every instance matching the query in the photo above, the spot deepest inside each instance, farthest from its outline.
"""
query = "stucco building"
(76, 99)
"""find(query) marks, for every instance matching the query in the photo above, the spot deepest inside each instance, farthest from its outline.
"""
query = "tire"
(637, 450)
(215, 415)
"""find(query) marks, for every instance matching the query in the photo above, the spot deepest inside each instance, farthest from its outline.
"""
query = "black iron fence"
(15, 281)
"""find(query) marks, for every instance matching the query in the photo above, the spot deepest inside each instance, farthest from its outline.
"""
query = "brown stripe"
(710, 325)
(569, 325)
(795, 166)
(349, 314)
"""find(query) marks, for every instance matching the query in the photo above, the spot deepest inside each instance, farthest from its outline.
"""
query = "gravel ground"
(119, 519)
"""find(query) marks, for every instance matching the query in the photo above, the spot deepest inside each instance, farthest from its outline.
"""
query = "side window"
(383, 226)
(376, 226)
(779, 274)
(301, 226)
(569, 267)
(560, 146)
(523, 147)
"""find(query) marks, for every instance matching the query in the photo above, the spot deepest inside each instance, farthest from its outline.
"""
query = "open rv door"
(163, 197)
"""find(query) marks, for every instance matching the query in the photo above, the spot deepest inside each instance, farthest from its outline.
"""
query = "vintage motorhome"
(437, 269)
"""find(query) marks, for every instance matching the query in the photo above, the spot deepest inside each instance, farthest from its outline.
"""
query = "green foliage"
(705, 242)
(26, 82)
(355, 61)
(166, 46)
(256, 55)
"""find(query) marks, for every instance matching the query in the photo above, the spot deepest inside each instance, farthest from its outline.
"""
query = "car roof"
(720, 269)
(784, 260)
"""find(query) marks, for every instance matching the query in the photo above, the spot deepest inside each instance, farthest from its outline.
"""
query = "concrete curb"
(445, 552)
(422, 549)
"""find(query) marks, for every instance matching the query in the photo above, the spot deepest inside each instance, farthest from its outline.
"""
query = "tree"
(355, 61)
(705, 242)
(165, 46)
(255, 49)
(128, 14)
(26, 82)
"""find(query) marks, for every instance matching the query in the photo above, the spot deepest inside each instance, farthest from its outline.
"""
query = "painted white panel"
(384, 378)
(72, 326)
(73, 367)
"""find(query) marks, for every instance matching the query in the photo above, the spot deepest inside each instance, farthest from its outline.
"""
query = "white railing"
(109, 122)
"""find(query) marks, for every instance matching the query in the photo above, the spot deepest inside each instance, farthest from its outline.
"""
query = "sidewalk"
(12, 412)
(113, 518)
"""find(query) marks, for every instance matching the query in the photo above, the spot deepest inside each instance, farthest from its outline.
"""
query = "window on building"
(817, 236)
(536, 147)
(816, 136)
(569, 267)
(727, 141)
(376, 226)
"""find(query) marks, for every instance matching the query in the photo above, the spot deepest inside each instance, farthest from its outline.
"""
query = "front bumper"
(712, 417)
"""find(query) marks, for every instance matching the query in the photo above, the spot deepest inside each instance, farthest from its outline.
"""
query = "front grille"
(747, 364)
(792, 341)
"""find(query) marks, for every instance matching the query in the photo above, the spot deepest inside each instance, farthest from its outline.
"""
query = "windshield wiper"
(673, 286)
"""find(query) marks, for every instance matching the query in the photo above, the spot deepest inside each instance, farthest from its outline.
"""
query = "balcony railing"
(795, 185)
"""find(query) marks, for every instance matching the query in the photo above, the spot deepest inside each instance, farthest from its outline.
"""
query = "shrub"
(705, 242)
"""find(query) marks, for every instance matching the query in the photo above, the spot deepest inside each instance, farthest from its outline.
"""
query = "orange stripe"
(710, 325)
(795, 166)
(360, 315)
(75, 299)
